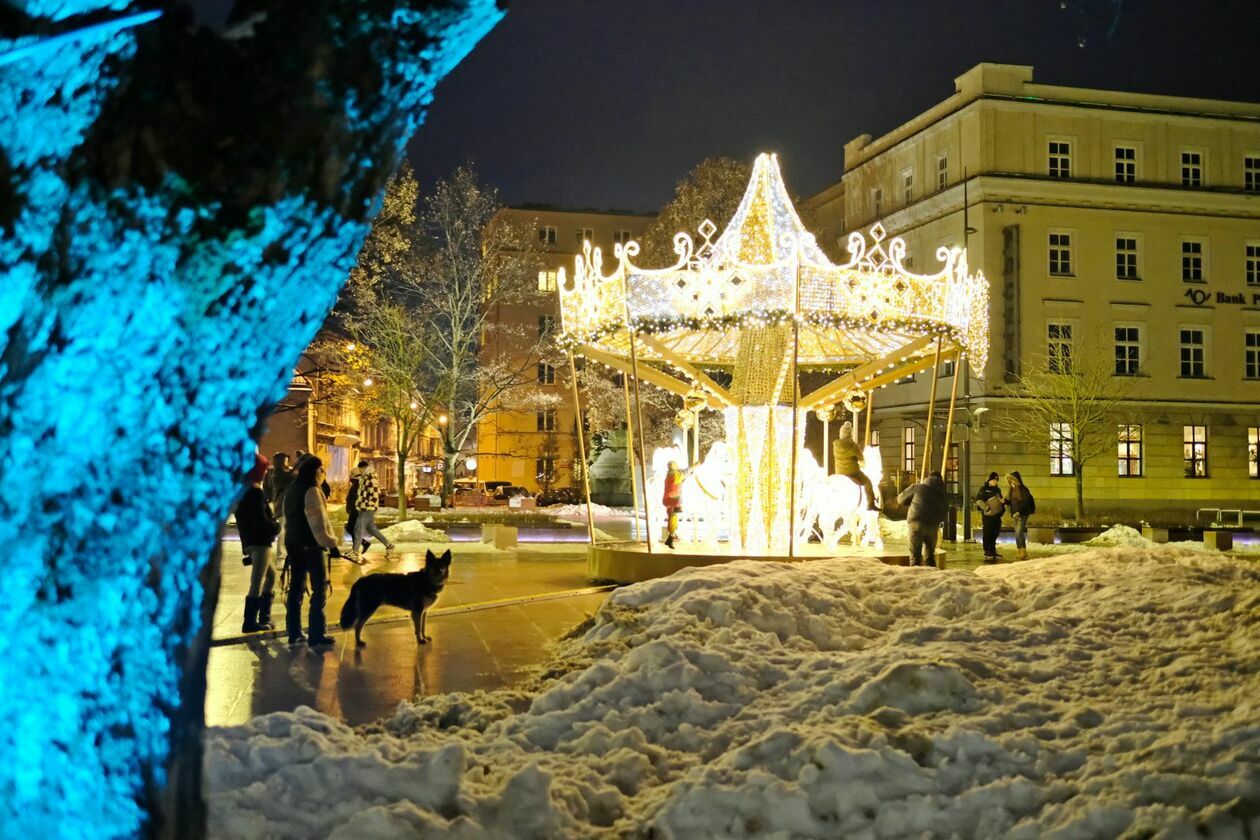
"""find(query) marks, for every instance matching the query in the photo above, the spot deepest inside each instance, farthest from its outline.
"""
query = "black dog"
(416, 591)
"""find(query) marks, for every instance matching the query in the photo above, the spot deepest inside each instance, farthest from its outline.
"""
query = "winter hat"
(1015, 475)
(256, 472)
(992, 476)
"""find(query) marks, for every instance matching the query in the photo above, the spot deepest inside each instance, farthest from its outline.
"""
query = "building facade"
(527, 446)
(1107, 222)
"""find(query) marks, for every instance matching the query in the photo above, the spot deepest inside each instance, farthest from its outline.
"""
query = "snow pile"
(1113, 692)
(414, 531)
(580, 510)
(1120, 535)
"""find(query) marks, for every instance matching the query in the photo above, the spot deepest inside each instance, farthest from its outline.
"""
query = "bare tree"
(1066, 406)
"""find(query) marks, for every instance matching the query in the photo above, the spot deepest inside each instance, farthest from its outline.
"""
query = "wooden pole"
(870, 407)
(949, 421)
(796, 401)
(634, 482)
(927, 449)
(581, 437)
(638, 416)
(826, 443)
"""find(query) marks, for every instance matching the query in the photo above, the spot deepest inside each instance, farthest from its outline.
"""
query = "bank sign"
(1200, 297)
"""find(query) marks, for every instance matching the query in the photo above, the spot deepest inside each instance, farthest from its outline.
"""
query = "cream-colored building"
(526, 446)
(1129, 223)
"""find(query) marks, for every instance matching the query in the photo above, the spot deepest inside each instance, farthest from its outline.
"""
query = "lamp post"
(447, 501)
(965, 450)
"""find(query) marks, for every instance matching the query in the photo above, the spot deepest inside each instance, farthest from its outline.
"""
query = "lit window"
(1128, 351)
(1251, 174)
(1129, 452)
(1059, 348)
(1253, 264)
(1126, 258)
(585, 235)
(1191, 169)
(1061, 449)
(1253, 451)
(546, 420)
(942, 172)
(547, 281)
(1060, 159)
(545, 470)
(1251, 354)
(907, 448)
(1193, 353)
(546, 374)
(1061, 254)
(907, 186)
(1191, 261)
(1126, 164)
(1194, 451)
(547, 235)
(951, 470)
(875, 438)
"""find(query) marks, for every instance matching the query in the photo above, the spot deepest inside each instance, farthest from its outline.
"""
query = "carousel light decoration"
(763, 302)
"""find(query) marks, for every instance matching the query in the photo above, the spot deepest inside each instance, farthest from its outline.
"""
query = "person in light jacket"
(308, 535)
(928, 504)
(849, 460)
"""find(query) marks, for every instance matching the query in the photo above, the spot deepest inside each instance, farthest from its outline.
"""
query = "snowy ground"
(1111, 692)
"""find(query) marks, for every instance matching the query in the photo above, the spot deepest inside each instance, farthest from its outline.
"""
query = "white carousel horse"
(703, 491)
(836, 503)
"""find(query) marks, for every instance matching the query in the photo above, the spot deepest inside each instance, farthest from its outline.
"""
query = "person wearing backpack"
(1021, 504)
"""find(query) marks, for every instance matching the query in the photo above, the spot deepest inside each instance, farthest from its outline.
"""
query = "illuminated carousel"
(735, 326)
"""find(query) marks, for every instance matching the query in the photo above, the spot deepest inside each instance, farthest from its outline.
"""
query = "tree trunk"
(1080, 493)
(164, 191)
(402, 484)
(449, 460)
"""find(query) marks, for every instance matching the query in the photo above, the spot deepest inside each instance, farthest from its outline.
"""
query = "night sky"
(607, 104)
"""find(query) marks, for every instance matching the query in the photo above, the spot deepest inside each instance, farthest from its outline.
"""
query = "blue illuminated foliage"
(177, 213)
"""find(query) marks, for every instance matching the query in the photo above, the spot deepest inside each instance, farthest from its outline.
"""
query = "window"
(545, 469)
(1126, 258)
(1061, 254)
(621, 237)
(1194, 450)
(1059, 348)
(546, 420)
(1193, 360)
(1192, 261)
(877, 201)
(942, 172)
(1128, 350)
(546, 374)
(547, 235)
(875, 438)
(585, 235)
(1253, 451)
(1191, 169)
(1060, 159)
(1251, 174)
(547, 281)
(1129, 451)
(907, 448)
(1253, 264)
(907, 186)
(1126, 164)
(1061, 449)
(546, 324)
(947, 367)
(1251, 354)
(951, 470)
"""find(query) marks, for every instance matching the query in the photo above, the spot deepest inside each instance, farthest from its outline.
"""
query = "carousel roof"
(765, 269)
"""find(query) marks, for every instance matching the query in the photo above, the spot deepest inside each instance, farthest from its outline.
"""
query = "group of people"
(288, 507)
(992, 505)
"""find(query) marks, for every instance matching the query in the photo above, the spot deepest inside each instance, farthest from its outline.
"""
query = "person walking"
(258, 529)
(849, 461)
(990, 503)
(928, 504)
(277, 482)
(352, 511)
(369, 501)
(1021, 505)
(308, 535)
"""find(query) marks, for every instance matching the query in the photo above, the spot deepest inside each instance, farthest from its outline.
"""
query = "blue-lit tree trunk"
(177, 212)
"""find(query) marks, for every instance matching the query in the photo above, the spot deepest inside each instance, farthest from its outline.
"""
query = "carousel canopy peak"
(766, 229)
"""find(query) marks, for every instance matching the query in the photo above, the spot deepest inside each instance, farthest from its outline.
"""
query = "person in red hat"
(258, 528)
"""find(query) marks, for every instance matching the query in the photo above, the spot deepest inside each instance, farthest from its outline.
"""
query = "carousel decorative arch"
(762, 303)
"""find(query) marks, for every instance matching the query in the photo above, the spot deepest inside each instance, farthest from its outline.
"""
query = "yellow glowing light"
(368, 382)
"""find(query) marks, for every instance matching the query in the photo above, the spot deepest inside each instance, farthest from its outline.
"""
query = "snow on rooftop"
(1110, 692)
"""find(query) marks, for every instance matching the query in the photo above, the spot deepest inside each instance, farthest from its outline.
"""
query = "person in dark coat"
(352, 508)
(990, 504)
(924, 519)
(258, 529)
(279, 477)
(308, 535)
(1021, 504)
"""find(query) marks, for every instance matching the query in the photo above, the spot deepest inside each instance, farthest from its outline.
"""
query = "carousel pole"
(949, 421)
(581, 437)
(796, 400)
(927, 449)
(638, 412)
(825, 414)
(870, 406)
(634, 482)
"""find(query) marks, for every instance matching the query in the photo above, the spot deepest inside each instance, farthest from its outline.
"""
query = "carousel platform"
(630, 561)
